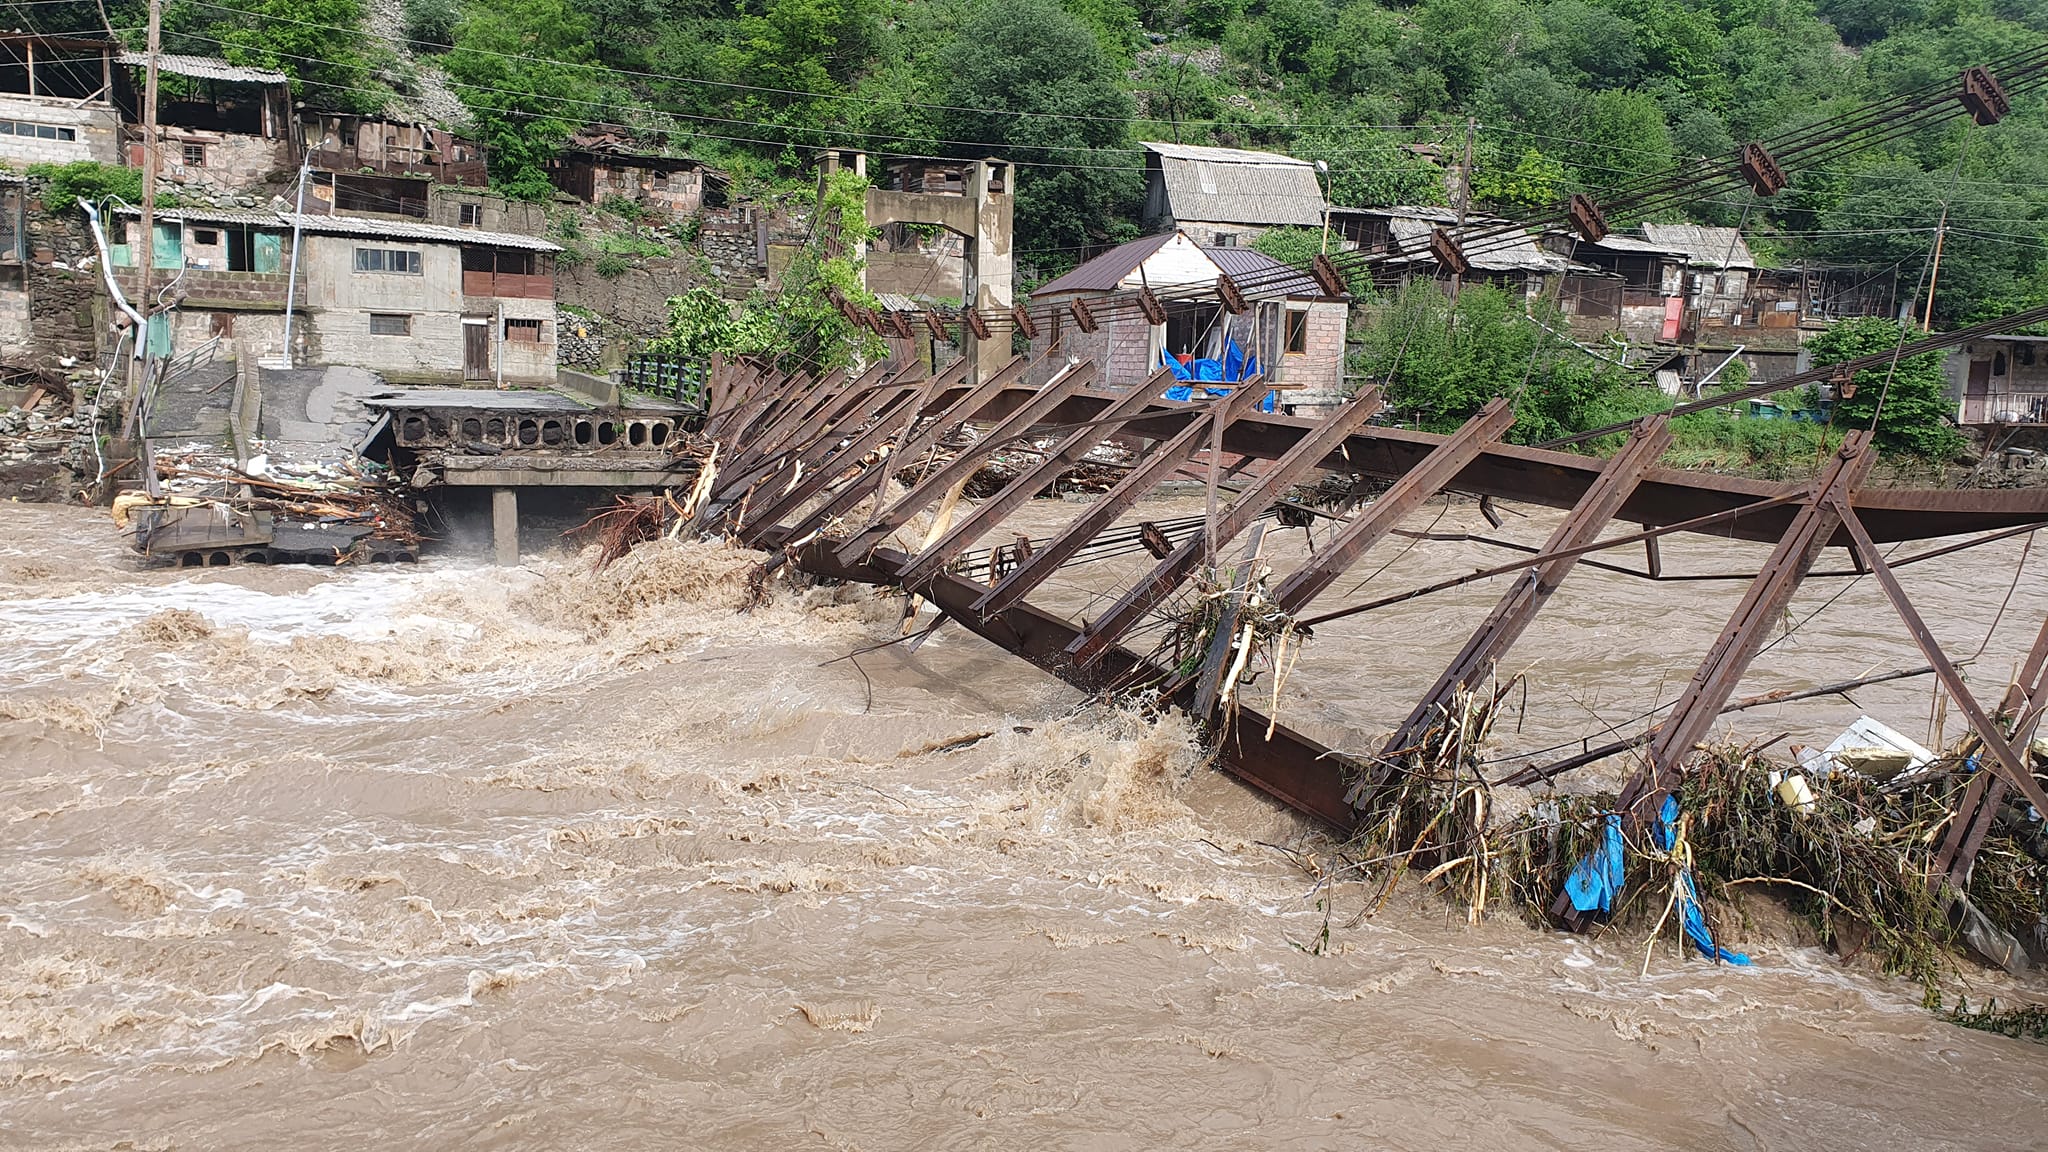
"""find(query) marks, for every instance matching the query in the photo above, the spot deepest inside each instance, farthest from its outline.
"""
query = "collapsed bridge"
(807, 466)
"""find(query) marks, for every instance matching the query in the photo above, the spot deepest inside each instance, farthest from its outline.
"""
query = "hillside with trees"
(1551, 96)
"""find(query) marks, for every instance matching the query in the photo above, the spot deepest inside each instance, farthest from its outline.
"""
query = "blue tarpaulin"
(1694, 919)
(1234, 367)
(1596, 882)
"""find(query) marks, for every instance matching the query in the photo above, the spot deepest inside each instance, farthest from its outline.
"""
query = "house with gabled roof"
(1228, 197)
(1290, 326)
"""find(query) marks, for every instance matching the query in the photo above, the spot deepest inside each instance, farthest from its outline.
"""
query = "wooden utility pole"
(146, 245)
(1464, 194)
(1934, 274)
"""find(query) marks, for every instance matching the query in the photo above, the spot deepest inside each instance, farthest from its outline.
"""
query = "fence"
(676, 377)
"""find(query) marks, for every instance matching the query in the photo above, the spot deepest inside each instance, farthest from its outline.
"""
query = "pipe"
(291, 282)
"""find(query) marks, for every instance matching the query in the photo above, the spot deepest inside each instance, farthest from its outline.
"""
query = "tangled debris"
(273, 508)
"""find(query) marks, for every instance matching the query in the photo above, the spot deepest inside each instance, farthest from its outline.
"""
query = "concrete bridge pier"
(505, 526)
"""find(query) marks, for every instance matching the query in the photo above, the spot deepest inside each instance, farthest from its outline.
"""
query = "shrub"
(612, 267)
(432, 22)
(87, 179)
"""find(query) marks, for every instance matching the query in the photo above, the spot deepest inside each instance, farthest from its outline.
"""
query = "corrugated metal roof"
(1619, 243)
(205, 68)
(1251, 266)
(250, 216)
(407, 230)
(1106, 271)
(1502, 252)
(1234, 186)
(1706, 247)
(1221, 155)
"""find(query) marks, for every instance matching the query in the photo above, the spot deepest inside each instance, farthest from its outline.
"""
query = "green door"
(268, 252)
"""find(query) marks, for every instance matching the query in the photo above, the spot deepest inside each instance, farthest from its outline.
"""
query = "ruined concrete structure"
(57, 100)
(608, 164)
(972, 199)
(221, 127)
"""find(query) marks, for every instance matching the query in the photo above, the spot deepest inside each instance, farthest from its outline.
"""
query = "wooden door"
(476, 348)
(1977, 393)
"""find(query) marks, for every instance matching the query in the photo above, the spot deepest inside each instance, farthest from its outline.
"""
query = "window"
(207, 236)
(36, 131)
(388, 260)
(220, 324)
(390, 324)
(522, 331)
(195, 155)
(472, 214)
(1226, 240)
(1297, 331)
(348, 137)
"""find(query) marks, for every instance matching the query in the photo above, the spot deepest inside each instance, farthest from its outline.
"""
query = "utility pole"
(145, 248)
(1464, 193)
(1934, 275)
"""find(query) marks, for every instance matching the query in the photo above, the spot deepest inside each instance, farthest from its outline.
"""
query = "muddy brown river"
(463, 857)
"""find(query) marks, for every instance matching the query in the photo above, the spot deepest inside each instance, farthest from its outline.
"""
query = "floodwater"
(454, 856)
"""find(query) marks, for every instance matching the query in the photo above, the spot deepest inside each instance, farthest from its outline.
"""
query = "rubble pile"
(45, 447)
(340, 510)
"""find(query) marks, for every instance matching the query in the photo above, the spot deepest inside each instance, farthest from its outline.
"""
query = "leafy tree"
(329, 69)
(1054, 100)
(1371, 171)
(1442, 360)
(1533, 182)
(525, 70)
(1916, 407)
(432, 22)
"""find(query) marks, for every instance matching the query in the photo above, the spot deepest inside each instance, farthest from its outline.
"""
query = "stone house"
(337, 142)
(1293, 328)
(1223, 197)
(57, 100)
(222, 127)
(414, 302)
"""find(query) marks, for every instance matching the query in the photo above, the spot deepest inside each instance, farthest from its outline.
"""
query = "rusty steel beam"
(964, 465)
(1559, 479)
(2010, 764)
(1305, 583)
(774, 453)
(1153, 467)
(895, 412)
(1306, 456)
(913, 441)
(1740, 640)
(1986, 791)
(776, 394)
(1289, 766)
(741, 386)
(992, 511)
(1518, 608)
(799, 419)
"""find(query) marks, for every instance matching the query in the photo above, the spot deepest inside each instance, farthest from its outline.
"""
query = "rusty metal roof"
(1106, 271)
(205, 68)
(1235, 186)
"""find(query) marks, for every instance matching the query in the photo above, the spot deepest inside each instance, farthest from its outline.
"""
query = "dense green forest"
(1558, 95)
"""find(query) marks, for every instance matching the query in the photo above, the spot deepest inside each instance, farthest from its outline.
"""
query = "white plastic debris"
(1870, 748)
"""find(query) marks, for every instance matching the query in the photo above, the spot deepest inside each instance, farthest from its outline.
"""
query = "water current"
(455, 856)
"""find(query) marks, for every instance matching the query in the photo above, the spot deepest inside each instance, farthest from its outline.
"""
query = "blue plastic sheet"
(1690, 913)
(1596, 881)
(1232, 368)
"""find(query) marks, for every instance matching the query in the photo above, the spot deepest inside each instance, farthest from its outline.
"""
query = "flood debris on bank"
(209, 510)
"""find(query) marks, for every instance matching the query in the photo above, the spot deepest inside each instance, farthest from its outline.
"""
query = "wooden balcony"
(507, 284)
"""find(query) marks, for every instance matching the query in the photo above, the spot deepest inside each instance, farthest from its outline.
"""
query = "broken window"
(471, 215)
(220, 324)
(390, 324)
(522, 331)
(388, 260)
(206, 236)
(195, 155)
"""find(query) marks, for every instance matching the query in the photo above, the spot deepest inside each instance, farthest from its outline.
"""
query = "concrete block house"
(57, 100)
(417, 303)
